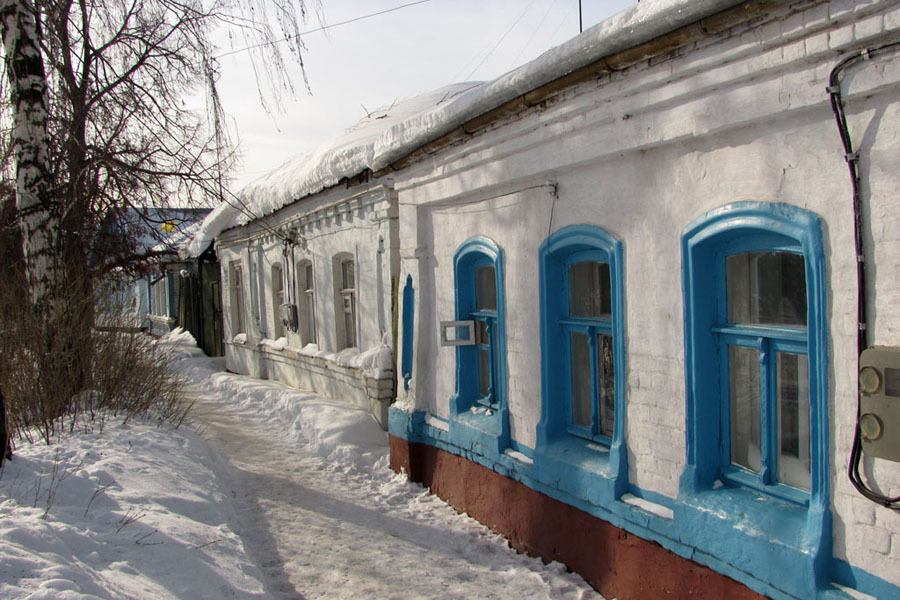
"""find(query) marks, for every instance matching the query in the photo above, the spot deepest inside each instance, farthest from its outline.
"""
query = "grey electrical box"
(879, 402)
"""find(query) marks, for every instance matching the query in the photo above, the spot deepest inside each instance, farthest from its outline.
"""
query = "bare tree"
(101, 95)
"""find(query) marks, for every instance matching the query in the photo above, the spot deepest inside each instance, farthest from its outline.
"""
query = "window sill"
(583, 469)
(481, 430)
(768, 537)
(739, 477)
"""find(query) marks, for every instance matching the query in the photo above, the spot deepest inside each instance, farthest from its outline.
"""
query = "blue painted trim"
(667, 533)
(579, 467)
(527, 451)
(784, 544)
(485, 432)
(409, 308)
(858, 579)
(650, 496)
(170, 295)
(149, 281)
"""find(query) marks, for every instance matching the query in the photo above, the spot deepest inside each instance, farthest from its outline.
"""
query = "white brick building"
(693, 141)
(627, 295)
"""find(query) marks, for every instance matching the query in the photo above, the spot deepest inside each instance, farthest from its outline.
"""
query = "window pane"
(347, 275)
(309, 277)
(793, 419)
(277, 300)
(237, 300)
(311, 319)
(484, 371)
(589, 290)
(743, 371)
(482, 337)
(349, 301)
(485, 289)
(606, 384)
(277, 279)
(767, 288)
(581, 379)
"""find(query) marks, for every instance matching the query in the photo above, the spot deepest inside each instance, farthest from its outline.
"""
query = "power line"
(322, 28)
(500, 41)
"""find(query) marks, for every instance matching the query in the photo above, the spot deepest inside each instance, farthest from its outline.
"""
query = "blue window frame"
(586, 323)
(755, 351)
(481, 367)
(582, 424)
(583, 347)
(764, 368)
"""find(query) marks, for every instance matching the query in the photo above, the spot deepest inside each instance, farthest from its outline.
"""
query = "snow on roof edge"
(629, 28)
(346, 156)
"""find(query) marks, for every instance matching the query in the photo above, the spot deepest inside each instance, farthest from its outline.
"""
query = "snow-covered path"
(266, 492)
(320, 528)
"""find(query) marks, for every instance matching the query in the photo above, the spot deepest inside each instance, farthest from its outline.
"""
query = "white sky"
(372, 62)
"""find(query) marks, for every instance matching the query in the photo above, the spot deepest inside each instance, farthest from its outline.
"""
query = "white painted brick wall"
(644, 152)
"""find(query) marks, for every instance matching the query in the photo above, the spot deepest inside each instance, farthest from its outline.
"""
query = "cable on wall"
(852, 159)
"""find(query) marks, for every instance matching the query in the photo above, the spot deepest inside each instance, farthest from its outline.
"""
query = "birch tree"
(101, 96)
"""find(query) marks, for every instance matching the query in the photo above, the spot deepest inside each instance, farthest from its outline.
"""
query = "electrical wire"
(852, 158)
(322, 28)
(500, 41)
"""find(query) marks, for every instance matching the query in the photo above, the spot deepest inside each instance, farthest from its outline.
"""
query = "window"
(479, 298)
(484, 316)
(583, 337)
(307, 302)
(277, 301)
(479, 413)
(345, 300)
(237, 297)
(588, 328)
(755, 351)
(159, 296)
(766, 373)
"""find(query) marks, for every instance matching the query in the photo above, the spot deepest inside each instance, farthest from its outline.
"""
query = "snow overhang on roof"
(390, 134)
(643, 22)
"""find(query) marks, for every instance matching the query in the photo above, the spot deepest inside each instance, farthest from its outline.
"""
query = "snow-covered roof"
(395, 131)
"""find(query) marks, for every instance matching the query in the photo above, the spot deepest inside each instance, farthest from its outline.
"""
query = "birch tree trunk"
(37, 209)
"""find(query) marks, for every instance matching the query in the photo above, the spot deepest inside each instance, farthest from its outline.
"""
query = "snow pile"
(377, 361)
(335, 430)
(180, 343)
(131, 513)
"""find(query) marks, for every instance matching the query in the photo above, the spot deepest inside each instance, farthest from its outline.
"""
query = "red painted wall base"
(615, 562)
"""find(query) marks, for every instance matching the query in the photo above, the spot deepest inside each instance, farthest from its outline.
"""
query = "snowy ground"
(280, 495)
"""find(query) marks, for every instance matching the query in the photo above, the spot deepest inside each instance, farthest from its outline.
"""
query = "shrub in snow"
(127, 375)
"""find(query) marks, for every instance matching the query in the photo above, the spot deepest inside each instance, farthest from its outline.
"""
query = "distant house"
(628, 296)
(185, 291)
(150, 296)
(310, 264)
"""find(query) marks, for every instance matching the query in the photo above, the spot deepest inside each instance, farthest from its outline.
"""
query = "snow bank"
(132, 513)
(375, 362)
(333, 429)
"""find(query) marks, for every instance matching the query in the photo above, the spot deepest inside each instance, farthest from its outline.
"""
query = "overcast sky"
(372, 62)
